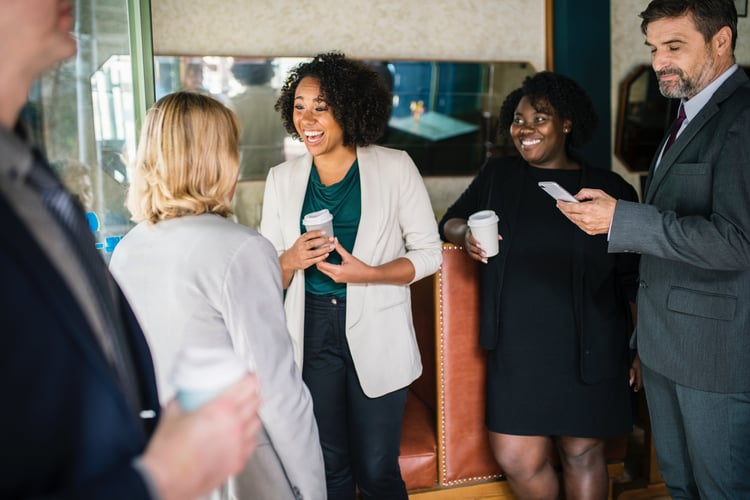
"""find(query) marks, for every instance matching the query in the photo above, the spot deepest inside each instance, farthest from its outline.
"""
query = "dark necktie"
(70, 216)
(675, 128)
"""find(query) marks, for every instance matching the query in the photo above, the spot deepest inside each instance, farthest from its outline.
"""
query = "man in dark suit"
(693, 232)
(80, 415)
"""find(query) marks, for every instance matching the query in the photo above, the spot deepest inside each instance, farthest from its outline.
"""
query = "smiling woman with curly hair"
(347, 300)
(555, 312)
(358, 97)
(553, 93)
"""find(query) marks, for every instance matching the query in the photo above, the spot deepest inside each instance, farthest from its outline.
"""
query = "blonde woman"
(196, 278)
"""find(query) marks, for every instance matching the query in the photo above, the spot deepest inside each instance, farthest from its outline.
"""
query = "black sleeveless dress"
(533, 376)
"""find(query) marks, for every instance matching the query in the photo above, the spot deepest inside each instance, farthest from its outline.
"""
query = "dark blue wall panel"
(582, 52)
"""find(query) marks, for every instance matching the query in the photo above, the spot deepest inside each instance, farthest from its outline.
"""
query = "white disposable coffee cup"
(483, 226)
(322, 219)
(202, 373)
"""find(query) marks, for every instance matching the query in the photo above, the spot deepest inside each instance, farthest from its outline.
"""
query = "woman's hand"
(399, 271)
(351, 269)
(458, 233)
(474, 248)
(310, 248)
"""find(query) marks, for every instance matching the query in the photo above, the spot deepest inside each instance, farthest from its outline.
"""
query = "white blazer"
(204, 280)
(396, 221)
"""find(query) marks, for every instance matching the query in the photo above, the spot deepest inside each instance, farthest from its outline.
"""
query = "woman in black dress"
(555, 306)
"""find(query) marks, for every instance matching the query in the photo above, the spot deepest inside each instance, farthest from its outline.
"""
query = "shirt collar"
(695, 104)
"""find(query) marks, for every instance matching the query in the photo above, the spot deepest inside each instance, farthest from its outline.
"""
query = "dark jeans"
(360, 436)
(702, 439)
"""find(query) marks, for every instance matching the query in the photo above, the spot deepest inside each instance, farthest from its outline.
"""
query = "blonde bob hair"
(187, 161)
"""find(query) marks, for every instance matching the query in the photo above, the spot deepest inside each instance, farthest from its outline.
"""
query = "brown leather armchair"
(445, 452)
(418, 458)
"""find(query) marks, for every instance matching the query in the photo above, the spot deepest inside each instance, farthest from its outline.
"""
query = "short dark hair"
(709, 16)
(357, 95)
(563, 95)
(253, 72)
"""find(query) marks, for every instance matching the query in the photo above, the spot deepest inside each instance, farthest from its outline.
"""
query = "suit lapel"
(53, 289)
(656, 177)
(685, 138)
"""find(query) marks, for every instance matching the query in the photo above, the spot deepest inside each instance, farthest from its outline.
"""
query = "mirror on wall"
(443, 113)
(644, 114)
(643, 118)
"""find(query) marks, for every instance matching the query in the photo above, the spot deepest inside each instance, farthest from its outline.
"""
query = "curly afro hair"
(554, 93)
(356, 94)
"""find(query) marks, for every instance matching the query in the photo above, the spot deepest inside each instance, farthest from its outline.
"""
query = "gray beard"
(687, 87)
(683, 89)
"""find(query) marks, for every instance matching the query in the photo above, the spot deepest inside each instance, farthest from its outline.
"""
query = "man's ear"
(722, 40)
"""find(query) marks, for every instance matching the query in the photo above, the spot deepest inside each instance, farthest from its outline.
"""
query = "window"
(84, 114)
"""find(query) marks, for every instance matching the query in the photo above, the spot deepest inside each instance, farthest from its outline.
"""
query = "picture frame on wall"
(741, 7)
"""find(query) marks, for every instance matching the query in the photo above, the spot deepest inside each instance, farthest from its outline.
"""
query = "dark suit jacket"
(68, 430)
(603, 283)
(694, 233)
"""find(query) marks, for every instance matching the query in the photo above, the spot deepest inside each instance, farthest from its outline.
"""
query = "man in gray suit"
(693, 232)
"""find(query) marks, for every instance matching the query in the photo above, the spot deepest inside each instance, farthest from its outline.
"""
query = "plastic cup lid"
(483, 218)
(207, 368)
(318, 217)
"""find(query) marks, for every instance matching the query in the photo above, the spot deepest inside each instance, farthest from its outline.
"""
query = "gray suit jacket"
(694, 233)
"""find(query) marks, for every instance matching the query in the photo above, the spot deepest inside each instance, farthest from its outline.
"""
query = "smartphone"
(556, 191)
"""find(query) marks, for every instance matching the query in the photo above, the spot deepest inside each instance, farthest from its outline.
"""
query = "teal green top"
(344, 201)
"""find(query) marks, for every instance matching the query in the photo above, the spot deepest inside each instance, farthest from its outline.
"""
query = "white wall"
(476, 30)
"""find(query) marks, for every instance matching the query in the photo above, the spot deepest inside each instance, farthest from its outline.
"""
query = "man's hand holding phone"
(595, 215)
